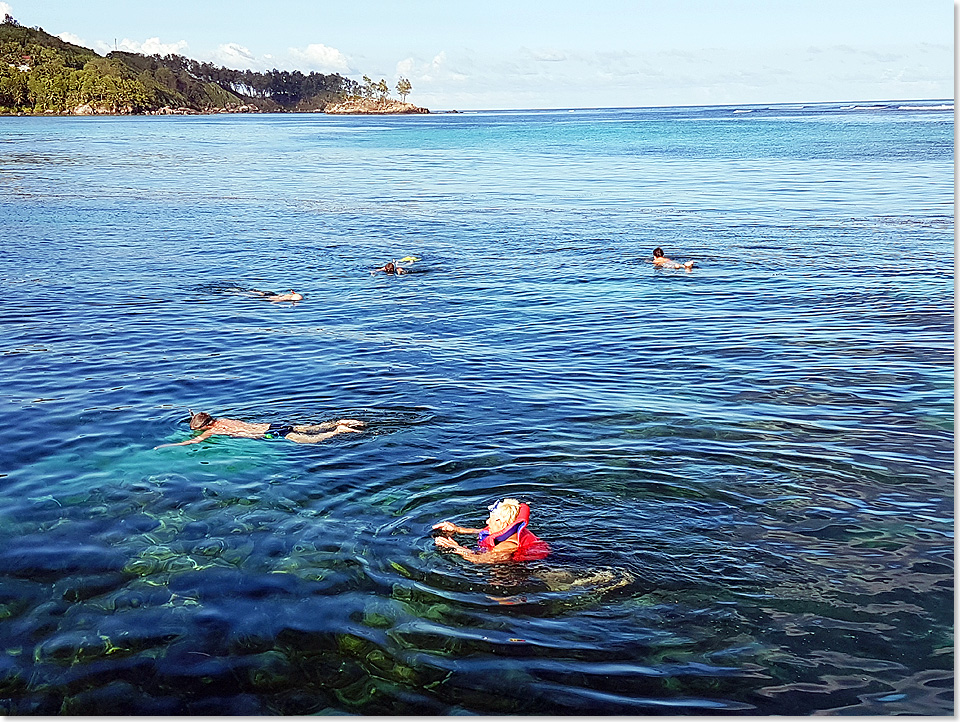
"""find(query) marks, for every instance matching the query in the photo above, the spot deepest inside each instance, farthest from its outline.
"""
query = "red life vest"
(529, 547)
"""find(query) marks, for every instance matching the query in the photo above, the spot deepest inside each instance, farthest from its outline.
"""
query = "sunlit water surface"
(745, 472)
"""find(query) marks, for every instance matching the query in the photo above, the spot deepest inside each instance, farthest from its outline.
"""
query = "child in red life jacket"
(505, 538)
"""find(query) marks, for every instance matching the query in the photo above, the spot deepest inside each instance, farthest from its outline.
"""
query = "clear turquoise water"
(749, 467)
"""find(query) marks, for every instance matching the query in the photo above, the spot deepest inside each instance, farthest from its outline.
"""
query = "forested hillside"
(40, 73)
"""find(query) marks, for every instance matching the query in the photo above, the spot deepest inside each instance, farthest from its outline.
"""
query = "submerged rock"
(57, 560)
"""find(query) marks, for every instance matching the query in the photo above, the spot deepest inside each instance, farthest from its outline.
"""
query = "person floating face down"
(290, 295)
(301, 434)
(504, 538)
(661, 261)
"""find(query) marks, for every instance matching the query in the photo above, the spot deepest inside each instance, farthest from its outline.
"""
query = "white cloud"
(236, 57)
(436, 70)
(153, 46)
(320, 58)
(528, 78)
(65, 37)
(150, 46)
(547, 56)
(5, 9)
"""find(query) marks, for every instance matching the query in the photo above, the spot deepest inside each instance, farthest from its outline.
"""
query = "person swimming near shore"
(235, 289)
(301, 434)
(290, 295)
(661, 261)
(391, 268)
(394, 267)
(504, 538)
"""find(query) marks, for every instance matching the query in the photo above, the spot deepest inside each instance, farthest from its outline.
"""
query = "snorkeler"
(302, 434)
(271, 296)
(504, 538)
(661, 261)
(291, 295)
(391, 267)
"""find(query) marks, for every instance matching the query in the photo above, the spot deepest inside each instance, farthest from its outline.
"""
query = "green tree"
(403, 88)
(13, 87)
(382, 89)
(48, 85)
(368, 89)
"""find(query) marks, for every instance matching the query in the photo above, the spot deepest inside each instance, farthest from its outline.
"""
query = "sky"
(512, 54)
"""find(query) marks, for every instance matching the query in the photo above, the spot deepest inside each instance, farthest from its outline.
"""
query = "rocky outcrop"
(373, 107)
(167, 110)
(90, 109)
(245, 108)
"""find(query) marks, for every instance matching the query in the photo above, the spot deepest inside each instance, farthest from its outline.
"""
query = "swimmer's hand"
(195, 440)
(448, 527)
(445, 541)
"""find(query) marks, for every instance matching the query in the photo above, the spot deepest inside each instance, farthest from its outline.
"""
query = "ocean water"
(745, 472)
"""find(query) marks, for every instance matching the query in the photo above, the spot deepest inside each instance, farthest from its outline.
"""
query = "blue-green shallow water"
(749, 467)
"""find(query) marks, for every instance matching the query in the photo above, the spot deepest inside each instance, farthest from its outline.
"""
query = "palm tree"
(403, 88)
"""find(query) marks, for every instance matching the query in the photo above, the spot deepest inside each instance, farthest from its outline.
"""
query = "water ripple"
(744, 472)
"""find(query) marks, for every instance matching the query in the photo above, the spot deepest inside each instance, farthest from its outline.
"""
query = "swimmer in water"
(291, 295)
(390, 268)
(301, 434)
(661, 261)
(504, 538)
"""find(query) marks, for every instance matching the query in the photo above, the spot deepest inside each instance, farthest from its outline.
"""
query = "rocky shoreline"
(87, 109)
(347, 107)
(250, 108)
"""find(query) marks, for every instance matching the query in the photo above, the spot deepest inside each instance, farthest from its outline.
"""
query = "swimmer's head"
(390, 267)
(502, 514)
(199, 420)
(658, 252)
(294, 296)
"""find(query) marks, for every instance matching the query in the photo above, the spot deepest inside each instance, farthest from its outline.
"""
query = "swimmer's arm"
(502, 552)
(449, 526)
(205, 435)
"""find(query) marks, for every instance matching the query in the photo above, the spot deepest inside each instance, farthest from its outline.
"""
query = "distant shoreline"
(394, 107)
(44, 75)
(355, 106)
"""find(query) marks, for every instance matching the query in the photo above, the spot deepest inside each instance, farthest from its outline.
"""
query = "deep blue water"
(745, 472)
